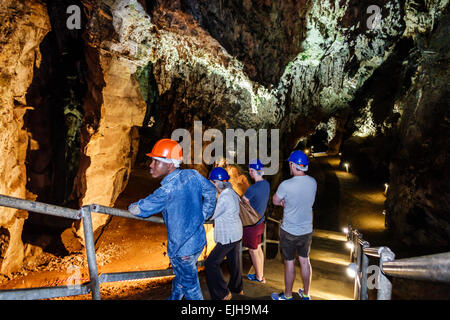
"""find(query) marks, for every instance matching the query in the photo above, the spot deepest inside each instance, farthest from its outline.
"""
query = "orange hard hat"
(167, 148)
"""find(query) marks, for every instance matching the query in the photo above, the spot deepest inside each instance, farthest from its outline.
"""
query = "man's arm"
(278, 197)
(277, 200)
(152, 204)
(249, 194)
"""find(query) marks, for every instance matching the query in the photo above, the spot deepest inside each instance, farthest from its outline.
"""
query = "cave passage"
(88, 87)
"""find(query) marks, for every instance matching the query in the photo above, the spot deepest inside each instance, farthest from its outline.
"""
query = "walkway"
(329, 260)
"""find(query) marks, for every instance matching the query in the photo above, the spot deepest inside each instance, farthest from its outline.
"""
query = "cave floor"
(133, 245)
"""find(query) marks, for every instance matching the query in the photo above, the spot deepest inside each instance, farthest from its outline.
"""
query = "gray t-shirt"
(298, 194)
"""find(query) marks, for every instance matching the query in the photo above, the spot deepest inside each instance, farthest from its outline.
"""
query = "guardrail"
(435, 267)
(93, 285)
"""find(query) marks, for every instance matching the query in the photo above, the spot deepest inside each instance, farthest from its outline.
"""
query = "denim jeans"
(186, 283)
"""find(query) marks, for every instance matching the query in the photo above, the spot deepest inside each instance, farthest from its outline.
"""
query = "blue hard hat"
(219, 173)
(299, 157)
(256, 164)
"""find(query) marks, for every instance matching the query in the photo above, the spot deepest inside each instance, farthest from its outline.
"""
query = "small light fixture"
(352, 270)
(345, 230)
(384, 212)
(386, 186)
(346, 165)
(349, 244)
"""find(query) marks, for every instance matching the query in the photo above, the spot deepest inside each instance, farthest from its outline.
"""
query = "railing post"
(354, 240)
(240, 260)
(364, 266)
(357, 255)
(264, 240)
(358, 250)
(384, 284)
(90, 252)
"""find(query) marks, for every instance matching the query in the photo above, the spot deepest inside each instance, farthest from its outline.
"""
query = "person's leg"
(235, 284)
(189, 278)
(305, 264)
(253, 242)
(258, 261)
(255, 255)
(305, 271)
(217, 286)
(289, 277)
(177, 288)
(288, 253)
(259, 252)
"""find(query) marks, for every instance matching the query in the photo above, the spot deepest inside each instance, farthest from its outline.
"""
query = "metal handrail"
(93, 285)
(432, 267)
(122, 213)
(435, 267)
(39, 207)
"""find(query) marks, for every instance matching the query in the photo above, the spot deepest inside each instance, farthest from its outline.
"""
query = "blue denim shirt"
(186, 199)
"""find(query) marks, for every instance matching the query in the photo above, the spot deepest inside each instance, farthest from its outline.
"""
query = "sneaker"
(302, 295)
(280, 296)
(252, 277)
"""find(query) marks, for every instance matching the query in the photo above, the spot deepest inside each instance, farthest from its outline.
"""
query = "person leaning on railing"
(186, 200)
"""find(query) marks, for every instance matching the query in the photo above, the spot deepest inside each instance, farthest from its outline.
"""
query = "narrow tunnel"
(84, 104)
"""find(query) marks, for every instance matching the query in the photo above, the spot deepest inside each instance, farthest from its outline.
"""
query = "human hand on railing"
(134, 209)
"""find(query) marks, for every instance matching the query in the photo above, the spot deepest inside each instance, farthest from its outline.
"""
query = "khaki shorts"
(290, 245)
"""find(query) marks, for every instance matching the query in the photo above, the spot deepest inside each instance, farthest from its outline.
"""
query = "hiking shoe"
(302, 295)
(252, 277)
(280, 296)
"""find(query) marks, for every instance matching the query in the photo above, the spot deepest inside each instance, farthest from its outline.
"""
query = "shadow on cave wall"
(56, 93)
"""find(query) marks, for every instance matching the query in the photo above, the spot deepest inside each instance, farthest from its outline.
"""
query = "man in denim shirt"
(186, 199)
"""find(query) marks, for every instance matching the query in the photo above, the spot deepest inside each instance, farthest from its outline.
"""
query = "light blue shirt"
(298, 194)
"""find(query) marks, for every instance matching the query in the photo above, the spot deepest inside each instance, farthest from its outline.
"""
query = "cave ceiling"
(250, 64)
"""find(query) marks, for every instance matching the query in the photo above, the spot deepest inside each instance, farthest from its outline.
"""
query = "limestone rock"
(24, 25)
(417, 205)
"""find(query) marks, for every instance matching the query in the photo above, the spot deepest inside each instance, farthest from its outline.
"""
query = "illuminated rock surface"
(24, 25)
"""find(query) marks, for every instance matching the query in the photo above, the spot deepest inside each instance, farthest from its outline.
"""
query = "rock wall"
(418, 198)
(24, 25)
(110, 146)
(399, 133)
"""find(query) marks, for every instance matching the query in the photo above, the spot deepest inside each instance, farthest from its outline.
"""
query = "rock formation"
(24, 25)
